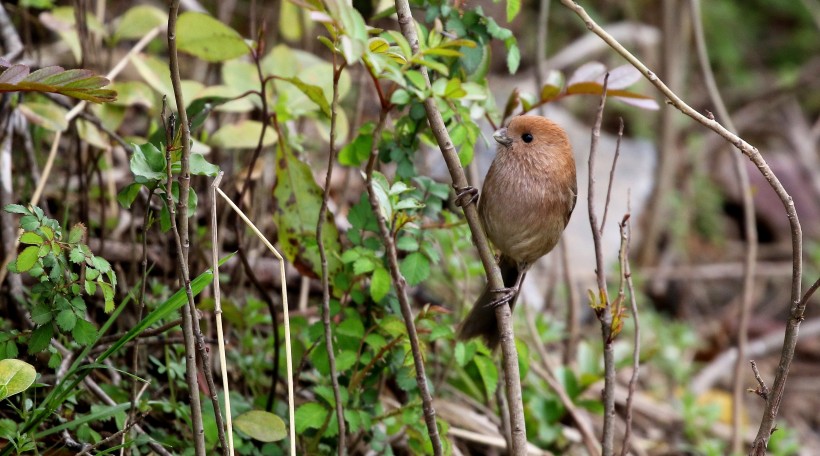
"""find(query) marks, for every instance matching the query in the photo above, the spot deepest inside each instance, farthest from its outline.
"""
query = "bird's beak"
(501, 137)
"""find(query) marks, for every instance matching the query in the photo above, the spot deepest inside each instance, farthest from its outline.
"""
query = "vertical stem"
(749, 227)
(401, 292)
(603, 308)
(512, 374)
(331, 358)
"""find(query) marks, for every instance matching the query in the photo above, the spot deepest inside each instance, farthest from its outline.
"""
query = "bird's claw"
(465, 195)
(505, 296)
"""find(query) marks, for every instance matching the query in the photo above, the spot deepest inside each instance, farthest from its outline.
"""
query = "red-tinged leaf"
(587, 72)
(14, 74)
(643, 103)
(61, 79)
(43, 73)
(585, 88)
(621, 77)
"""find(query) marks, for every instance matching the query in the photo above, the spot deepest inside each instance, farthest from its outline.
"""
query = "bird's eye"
(527, 137)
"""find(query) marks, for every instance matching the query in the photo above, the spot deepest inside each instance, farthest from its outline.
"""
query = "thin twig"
(612, 172)
(320, 240)
(626, 235)
(602, 305)
(797, 307)
(548, 374)
(401, 292)
(749, 228)
(762, 390)
(503, 313)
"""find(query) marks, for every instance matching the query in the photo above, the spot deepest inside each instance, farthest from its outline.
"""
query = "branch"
(331, 357)
(401, 292)
(503, 313)
(797, 307)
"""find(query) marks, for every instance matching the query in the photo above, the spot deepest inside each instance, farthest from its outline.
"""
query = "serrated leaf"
(31, 238)
(16, 209)
(310, 415)
(40, 338)
(76, 256)
(415, 268)
(16, 376)
(298, 201)
(260, 425)
(76, 83)
(76, 234)
(66, 320)
(84, 333)
(27, 258)
(101, 264)
(242, 135)
(41, 314)
(379, 284)
(207, 38)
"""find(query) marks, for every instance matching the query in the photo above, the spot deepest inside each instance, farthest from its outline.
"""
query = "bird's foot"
(465, 195)
(504, 296)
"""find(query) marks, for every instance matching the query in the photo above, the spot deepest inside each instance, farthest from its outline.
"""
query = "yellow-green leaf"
(209, 39)
(242, 135)
(15, 377)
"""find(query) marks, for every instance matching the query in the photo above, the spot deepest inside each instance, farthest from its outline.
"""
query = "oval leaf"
(15, 377)
(261, 425)
(207, 38)
(242, 135)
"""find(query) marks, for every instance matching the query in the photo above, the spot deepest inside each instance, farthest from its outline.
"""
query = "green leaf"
(15, 377)
(138, 21)
(147, 164)
(66, 320)
(357, 151)
(415, 268)
(45, 114)
(30, 237)
(207, 38)
(242, 135)
(310, 415)
(27, 258)
(513, 7)
(76, 256)
(351, 327)
(314, 92)
(201, 167)
(489, 373)
(101, 264)
(84, 333)
(127, 195)
(76, 234)
(379, 284)
(16, 209)
(40, 338)
(77, 83)
(298, 201)
(260, 425)
(41, 313)
(513, 58)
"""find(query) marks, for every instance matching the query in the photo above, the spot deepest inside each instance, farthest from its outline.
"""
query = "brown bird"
(528, 196)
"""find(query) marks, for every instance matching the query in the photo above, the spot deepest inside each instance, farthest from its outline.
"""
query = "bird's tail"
(481, 321)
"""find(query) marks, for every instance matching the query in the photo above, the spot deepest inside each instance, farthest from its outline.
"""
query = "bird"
(525, 203)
